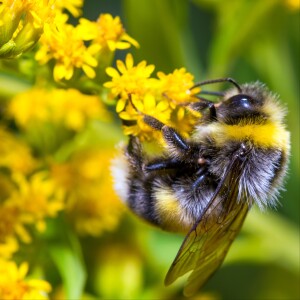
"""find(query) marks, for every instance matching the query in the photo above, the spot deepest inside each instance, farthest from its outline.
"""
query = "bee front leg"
(173, 138)
(205, 104)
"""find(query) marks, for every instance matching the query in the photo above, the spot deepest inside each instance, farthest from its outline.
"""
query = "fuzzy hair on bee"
(205, 185)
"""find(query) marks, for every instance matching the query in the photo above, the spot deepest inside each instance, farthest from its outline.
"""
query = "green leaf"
(68, 259)
(239, 23)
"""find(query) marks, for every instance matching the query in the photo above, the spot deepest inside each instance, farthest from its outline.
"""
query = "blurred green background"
(249, 41)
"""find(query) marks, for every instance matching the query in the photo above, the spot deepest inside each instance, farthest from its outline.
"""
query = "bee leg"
(204, 104)
(202, 174)
(162, 165)
(173, 139)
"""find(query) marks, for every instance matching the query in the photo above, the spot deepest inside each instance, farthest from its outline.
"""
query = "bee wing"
(207, 243)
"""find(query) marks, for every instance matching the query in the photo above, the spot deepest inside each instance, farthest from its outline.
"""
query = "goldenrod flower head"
(64, 43)
(21, 25)
(27, 201)
(108, 32)
(129, 79)
(38, 197)
(164, 98)
(15, 285)
(68, 108)
(91, 203)
(177, 86)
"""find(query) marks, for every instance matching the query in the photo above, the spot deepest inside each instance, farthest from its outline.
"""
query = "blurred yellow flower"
(129, 79)
(18, 160)
(8, 246)
(64, 43)
(108, 32)
(68, 108)
(73, 6)
(15, 286)
(38, 197)
(27, 201)
(293, 4)
(91, 203)
(21, 25)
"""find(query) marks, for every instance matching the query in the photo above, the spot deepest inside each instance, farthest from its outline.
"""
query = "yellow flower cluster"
(15, 286)
(21, 25)
(66, 108)
(26, 201)
(80, 47)
(86, 179)
(139, 94)
(34, 188)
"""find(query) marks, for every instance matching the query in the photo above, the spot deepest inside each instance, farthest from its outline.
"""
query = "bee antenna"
(232, 81)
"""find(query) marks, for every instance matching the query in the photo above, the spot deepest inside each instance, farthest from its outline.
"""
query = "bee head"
(244, 105)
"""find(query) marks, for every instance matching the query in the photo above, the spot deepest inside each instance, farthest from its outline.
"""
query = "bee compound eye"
(240, 101)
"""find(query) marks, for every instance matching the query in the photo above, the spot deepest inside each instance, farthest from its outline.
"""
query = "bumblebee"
(205, 185)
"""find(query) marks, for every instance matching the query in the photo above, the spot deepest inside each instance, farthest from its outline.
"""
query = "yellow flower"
(38, 197)
(15, 286)
(64, 43)
(18, 160)
(91, 203)
(8, 246)
(27, 202)
(177, 86)
(108, 32)
(73, 6)
(21, 25)
(74, 109)
(129, 79)
(147, 105)
(10, 219)
(165, 98)
(68, 108)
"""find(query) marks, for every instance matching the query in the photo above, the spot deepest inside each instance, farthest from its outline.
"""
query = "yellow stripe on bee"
(169, 210)
(267, 135)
